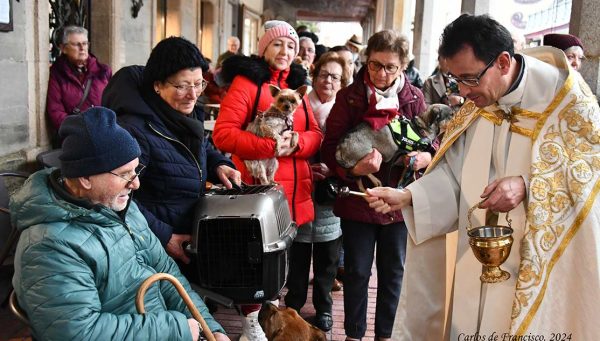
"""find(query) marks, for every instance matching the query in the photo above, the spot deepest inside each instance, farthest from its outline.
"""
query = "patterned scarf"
(383, 104)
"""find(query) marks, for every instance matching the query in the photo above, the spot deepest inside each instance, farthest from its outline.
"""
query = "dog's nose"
(286, 107)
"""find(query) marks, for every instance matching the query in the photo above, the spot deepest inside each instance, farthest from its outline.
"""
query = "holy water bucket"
(491, 245)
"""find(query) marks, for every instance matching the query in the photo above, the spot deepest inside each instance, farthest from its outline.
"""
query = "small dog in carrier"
(272, 124)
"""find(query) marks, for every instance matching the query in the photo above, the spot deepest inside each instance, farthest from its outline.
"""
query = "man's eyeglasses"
(473, 81)
(183, 89)
(130, 180)
(81, 45)
(376, 66)
(334, 77)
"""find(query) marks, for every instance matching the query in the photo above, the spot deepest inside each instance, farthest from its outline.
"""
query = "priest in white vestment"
(527, 141)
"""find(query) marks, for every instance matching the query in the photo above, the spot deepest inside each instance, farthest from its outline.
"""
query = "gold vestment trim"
(557, 254)
(554, 104)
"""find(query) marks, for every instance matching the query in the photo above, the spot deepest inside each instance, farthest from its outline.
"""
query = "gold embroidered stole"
(564, 182)
(468, 113)
(563, 185)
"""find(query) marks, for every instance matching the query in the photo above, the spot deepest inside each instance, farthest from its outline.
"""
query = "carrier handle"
(470, 212)
(139, 300)
(285, 241)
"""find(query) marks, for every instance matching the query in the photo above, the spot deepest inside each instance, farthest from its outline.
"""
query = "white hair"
(67, 31)
(303, 38)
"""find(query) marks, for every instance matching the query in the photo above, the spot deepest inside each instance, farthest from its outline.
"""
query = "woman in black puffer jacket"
(157, 105)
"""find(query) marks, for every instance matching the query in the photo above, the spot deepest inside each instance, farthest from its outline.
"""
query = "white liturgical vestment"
(547, 130)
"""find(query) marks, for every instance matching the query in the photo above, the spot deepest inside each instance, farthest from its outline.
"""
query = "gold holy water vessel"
(491, 245)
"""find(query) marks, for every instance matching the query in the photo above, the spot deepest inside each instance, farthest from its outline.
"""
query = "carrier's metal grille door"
(230, 253)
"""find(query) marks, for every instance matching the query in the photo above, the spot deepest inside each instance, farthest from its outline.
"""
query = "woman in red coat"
(249, 94)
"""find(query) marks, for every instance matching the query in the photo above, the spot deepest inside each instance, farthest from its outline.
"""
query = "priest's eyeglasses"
(130, 180)
(474, 81)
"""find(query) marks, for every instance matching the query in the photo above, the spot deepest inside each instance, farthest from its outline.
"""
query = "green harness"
(406, 137)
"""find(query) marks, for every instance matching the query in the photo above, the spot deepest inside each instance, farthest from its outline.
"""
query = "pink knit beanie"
(275, 29)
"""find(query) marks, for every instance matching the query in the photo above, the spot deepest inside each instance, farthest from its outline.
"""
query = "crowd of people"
(523, 140)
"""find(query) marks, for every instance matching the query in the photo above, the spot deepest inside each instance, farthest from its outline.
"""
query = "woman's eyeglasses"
(376, 66)
(183, 89)
(334, 77)
(130, 180)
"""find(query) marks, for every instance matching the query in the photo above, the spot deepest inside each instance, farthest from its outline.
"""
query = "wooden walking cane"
(139, 300)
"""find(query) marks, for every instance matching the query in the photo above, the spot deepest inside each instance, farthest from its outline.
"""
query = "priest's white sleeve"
(435, 197)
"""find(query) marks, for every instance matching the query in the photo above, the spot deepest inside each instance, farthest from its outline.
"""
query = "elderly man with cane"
(85, 248)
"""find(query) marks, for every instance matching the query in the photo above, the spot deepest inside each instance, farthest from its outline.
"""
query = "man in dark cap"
(571, 46)
(85, 248)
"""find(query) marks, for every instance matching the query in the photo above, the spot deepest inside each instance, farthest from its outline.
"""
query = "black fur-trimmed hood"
(257, 70)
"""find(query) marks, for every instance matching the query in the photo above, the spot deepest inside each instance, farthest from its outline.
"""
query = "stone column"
(388, 17)
(24, 72)
(476, 7)
(431, 17)
(104, 25)
(418, 31)
(583, 24)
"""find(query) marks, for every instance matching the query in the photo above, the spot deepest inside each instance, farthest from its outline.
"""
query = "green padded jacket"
(77, 271)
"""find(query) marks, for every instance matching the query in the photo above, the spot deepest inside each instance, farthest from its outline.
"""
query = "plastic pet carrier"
(241, 240)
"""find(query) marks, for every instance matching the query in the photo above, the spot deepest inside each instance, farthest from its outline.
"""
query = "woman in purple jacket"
(70, 74)
(380, 92)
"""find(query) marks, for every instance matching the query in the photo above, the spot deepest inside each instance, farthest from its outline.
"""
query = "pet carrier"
(241, 240)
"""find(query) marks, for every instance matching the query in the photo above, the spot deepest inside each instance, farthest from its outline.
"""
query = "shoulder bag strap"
(86, 92)
(305, 113)
(255, 107)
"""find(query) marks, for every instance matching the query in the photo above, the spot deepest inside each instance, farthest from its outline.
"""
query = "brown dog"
(272, 123)
(432, 123)
(284, 324)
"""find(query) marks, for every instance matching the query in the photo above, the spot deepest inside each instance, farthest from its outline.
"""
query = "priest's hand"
(369, 164)
(503, 194)
(387, 199)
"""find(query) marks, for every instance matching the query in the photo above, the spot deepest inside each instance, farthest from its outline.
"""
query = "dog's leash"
(408, 172)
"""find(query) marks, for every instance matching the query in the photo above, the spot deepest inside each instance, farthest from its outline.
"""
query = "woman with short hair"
(76, 79)
(380, 92)
(320, 240)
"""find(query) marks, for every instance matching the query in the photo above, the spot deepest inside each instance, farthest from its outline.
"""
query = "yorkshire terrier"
(272, 123)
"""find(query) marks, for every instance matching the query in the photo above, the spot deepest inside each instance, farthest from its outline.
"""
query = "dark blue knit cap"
(93, 143)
